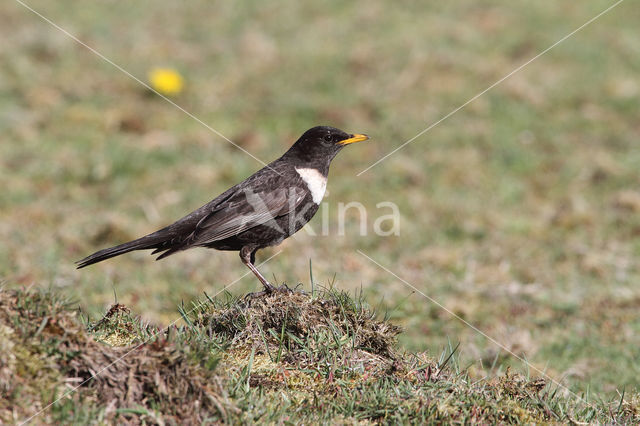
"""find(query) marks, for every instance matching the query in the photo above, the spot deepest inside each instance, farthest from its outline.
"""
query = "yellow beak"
(353, 139)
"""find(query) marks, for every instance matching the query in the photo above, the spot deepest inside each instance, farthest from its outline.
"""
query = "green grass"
(520, 213)
(288, 357)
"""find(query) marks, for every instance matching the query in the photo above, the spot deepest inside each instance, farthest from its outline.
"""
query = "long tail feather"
(139, 244)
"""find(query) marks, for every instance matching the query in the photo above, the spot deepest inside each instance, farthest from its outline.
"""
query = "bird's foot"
(269, 289)
(254, 295)
(284, 288)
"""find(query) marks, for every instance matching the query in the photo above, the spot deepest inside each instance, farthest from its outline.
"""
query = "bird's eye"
(328, 137)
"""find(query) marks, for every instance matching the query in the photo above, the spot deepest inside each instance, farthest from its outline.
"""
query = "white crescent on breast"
(316, 182)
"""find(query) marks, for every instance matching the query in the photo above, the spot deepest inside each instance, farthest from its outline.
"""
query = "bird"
(261, 211)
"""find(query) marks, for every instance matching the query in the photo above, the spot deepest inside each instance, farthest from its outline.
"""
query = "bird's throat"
(316, 182)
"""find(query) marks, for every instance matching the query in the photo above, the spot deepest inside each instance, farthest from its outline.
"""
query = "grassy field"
(520, 213)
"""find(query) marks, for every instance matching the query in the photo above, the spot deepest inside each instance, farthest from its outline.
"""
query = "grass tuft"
(50, 353)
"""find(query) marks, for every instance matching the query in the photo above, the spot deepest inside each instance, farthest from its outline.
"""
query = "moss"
(117, 327)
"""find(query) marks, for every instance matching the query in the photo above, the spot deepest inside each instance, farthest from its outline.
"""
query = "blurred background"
(520, 213)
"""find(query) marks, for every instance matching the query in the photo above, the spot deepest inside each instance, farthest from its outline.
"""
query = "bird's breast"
(316, 182)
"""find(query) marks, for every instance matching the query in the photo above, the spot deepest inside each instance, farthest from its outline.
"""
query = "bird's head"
(320, 144)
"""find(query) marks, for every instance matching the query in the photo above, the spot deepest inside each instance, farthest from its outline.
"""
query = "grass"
(283, 358)
(520, 213)
(52, 354)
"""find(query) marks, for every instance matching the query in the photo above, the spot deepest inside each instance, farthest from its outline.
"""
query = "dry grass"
(49, 353)
(294, 340)
(295, 314)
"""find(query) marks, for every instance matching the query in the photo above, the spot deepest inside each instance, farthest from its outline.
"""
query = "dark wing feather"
(251, 204)
(247, 210)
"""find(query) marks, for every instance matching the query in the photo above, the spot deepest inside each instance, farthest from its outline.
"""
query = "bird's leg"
(248, 256)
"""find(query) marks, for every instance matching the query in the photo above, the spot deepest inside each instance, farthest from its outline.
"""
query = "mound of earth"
(49, 358)
(293, 340)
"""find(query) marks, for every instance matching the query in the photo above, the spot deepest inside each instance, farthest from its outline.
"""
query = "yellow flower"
(166, 81)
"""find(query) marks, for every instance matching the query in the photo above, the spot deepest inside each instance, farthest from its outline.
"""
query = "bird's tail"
(146, 242)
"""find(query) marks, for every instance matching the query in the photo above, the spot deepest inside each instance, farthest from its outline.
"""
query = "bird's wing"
(244, 210)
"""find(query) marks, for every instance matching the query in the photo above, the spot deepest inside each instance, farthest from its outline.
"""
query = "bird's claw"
(284, 288)
(269, 289)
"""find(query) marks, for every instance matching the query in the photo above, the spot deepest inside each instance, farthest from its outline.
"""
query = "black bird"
(269, 206)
